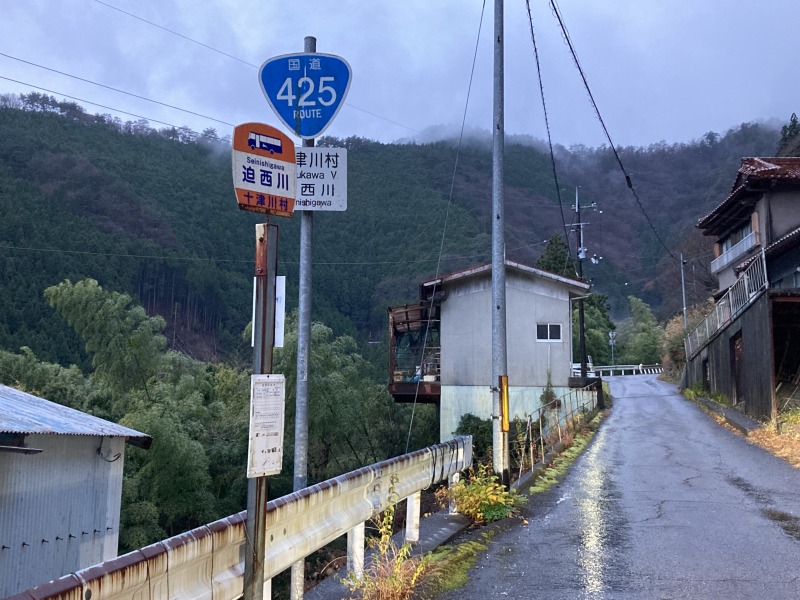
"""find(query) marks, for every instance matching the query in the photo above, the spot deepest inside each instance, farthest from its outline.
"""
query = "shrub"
(549, 399)
(481, 497)
(481, 432)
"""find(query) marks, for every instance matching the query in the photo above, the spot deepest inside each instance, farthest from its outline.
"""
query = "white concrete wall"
(783, 215)
(67, 495)
(457, 401)
(467, 332)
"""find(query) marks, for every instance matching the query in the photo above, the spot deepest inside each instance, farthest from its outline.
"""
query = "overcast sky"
(659, 69)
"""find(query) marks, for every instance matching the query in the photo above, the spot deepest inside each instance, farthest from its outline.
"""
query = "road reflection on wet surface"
(663, 504)
(593, 522)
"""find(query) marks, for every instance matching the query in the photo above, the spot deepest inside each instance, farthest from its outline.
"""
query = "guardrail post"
(413, 503)
(451, 481)
(355, 551)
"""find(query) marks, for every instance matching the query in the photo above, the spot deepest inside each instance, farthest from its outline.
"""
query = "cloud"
(658, 71)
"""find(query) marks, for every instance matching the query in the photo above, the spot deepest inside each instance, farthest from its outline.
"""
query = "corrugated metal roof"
(574, 283)
(26, 414)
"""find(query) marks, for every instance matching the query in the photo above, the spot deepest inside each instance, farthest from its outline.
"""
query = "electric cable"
(249, 64)
(549, 137)
(180, 35)
(446, 215)
(113, 89)
(130, 114)
(628, 180)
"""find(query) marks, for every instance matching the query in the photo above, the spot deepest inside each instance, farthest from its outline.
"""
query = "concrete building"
(60, 489)
(441, 347)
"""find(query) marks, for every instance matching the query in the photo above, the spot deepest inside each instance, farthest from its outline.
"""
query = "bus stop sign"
(264, 169)
(305, 90)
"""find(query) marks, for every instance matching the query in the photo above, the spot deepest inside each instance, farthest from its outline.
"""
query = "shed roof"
(753, 173)
(576, 285)
(25, 413)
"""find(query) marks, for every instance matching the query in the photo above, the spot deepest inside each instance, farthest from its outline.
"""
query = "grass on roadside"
(450, 565)
(551, 474)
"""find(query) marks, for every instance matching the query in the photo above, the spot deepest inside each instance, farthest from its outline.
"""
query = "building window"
(548, 332)
(737, 236)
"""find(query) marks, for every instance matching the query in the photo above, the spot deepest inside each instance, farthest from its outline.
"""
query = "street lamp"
(612, 336)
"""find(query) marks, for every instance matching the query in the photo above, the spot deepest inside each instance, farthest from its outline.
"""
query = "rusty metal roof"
(25, 413)
(752, 171)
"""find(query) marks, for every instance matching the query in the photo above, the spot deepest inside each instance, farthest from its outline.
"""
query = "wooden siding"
(757, 378)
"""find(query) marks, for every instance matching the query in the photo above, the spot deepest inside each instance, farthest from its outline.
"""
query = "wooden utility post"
(263, 338)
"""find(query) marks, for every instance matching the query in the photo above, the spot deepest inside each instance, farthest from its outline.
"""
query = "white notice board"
(267, 409)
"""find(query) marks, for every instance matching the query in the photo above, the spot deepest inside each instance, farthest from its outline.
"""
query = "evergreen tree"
(597, 324)
(790, 138)
(556, 258)
(640, 337)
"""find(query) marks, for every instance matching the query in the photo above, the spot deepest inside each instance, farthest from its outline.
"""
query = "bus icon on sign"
(264, 142)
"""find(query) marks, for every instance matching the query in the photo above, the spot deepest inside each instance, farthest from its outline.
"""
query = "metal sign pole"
(303, 366)
(264, 337)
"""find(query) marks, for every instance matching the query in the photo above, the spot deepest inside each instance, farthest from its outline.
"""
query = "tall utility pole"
(581, 256)
(303, 359)
(612, 336)
(500, 454)
(683, 292)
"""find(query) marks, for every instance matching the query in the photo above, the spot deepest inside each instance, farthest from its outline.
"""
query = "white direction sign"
(267, 410)
(321, 179)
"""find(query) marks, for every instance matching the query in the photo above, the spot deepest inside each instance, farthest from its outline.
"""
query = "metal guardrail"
(610, 370)
(738, 297)
(208, 562)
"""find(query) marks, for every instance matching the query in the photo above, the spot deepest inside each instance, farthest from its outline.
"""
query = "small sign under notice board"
(267, 411)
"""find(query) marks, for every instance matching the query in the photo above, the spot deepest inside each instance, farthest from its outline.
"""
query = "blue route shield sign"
(305, 90)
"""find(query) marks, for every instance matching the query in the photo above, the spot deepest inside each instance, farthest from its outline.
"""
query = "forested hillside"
(152, 213)
(120, 244)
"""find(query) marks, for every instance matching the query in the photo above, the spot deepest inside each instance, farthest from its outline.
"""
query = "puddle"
(789, 523)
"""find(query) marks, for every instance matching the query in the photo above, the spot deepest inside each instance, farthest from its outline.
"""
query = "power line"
(130, 114)
(549, 137)
(436, 259)
(628, 180)
(249, 64)
(447, 213)
(108, 87)
(180, 35)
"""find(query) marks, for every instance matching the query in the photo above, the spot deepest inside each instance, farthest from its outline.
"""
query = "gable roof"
(755, 175)
(577, 285)
(25, 413)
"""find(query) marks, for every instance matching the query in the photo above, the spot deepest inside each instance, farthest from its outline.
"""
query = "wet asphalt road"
(663, 504)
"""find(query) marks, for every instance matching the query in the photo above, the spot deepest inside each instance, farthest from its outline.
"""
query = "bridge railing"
(611, 370)
(208, 562)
